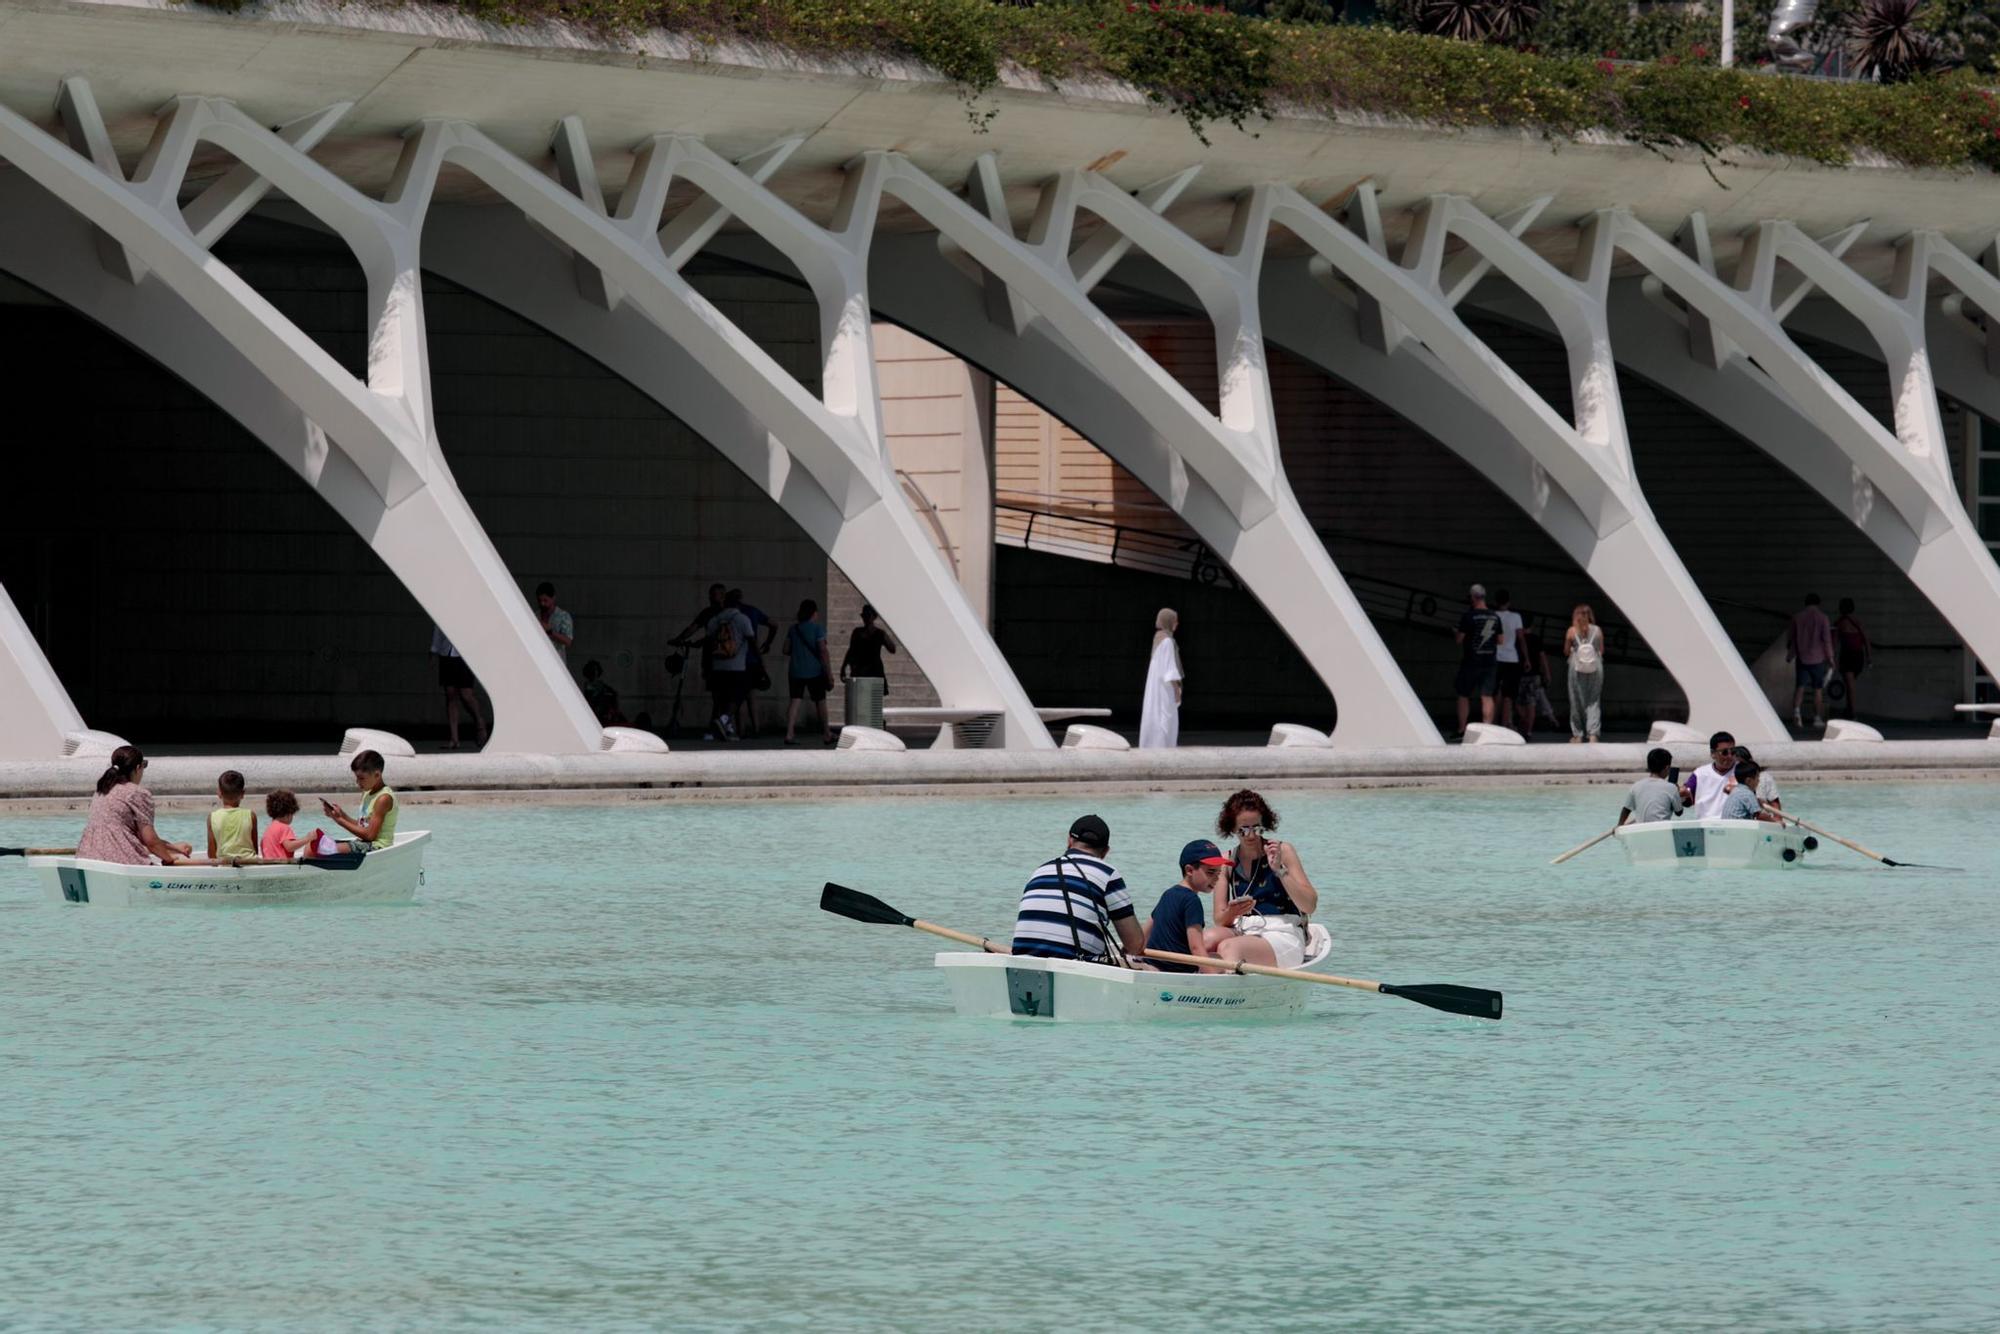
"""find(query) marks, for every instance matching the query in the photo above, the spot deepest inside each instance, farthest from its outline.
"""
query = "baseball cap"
(1202, 852)
(1091, 829)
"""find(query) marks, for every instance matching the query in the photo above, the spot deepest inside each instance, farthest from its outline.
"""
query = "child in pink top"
(279, 843)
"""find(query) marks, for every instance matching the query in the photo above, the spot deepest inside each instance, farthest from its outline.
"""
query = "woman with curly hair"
(1262, 905)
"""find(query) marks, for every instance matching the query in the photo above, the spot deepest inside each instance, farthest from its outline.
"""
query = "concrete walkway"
(817, 773)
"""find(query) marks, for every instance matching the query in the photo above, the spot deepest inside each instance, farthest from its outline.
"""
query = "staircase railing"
(1057, 527)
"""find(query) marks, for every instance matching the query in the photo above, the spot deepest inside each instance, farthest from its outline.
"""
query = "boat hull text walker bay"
(1716, 845)
(391, 875)
(1006, 986)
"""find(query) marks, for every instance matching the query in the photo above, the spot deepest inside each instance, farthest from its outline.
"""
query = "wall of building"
(189, 587)
(1411, 525)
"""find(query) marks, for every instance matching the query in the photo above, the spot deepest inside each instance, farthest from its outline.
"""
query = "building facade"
(618, 323)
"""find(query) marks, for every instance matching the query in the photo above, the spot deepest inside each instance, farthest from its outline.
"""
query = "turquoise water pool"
(615, 1070)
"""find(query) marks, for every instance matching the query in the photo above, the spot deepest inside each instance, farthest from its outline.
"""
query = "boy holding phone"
(375, 826)
(1177, 921)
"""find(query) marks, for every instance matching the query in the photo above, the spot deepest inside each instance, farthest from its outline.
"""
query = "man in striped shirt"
(1074, 900)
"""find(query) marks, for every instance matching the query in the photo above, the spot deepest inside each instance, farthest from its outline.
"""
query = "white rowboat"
(1007, 986)
(1716, 845)
(391, 875)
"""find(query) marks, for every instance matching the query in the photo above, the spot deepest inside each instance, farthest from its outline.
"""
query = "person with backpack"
(1583, 645)
(808, 666)
(729, 632)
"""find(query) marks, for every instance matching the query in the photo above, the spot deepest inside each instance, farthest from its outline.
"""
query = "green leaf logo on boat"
(1167, 996)
(154, 884)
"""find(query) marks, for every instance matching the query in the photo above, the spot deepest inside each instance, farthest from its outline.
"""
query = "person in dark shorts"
(1855, 652)
(808, 667)
(1177, 921)
(1507, 655)
(455, 676)
(1478, 662)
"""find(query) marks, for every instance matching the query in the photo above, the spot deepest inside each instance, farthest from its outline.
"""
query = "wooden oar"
(1474, 1001)
(867, 908)
(1583, 847)
(1438, 995)
(1850, 843)
(37, 852)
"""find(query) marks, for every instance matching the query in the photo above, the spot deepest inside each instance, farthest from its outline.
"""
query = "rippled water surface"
(615, 1069)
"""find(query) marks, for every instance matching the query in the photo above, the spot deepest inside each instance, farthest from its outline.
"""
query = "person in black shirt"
(865, 648)
(1478, 662)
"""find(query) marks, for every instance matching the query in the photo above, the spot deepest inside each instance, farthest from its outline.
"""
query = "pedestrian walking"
(1532, 698)
(1809, 644)
(1507, 657)
(557, 624)
(865, 648)
(807, 666)
(1478, 658)
(729, 636)
(756, 677)
(1583, 645)
(1160, 708)
(454, 675)
(1856, 653)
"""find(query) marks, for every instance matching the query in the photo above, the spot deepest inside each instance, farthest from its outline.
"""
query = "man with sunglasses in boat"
(1076, 905)
(1707, 787)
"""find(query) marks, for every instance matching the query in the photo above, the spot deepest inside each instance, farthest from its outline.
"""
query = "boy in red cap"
(1177, 921)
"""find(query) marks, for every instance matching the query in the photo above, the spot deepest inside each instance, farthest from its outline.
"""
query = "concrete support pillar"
(35, 710)
(975, 496)
(370, 449)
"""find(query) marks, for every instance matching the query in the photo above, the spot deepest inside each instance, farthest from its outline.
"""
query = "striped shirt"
(1050, 927)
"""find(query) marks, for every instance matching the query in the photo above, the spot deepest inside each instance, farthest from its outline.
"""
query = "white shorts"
(1286, 939)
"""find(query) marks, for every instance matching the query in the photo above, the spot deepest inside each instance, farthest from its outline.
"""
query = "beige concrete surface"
(819, 774)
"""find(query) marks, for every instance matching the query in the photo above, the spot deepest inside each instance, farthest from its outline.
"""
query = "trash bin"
(864, 701)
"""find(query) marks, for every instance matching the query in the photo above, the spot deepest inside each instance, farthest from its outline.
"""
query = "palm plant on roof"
(1502, 21)
(1888, 40)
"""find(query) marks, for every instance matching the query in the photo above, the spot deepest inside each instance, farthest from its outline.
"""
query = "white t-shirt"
(1708, 793)
(1510, 637)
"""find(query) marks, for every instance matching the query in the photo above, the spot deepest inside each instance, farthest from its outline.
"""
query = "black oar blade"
(1473, 1001)
(13, 852)
(861, 907)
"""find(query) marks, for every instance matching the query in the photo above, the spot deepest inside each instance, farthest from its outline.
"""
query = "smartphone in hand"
(1674, 775)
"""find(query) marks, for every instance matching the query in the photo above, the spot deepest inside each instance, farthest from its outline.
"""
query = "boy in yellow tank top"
(375, 825)
(232, 830)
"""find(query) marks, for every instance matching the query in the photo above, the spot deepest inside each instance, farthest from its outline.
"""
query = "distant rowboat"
(391, 875)
(1007, 986)
(1716, 845)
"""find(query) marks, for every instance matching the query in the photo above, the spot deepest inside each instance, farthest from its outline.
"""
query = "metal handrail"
(930, 512)
(1112, 543)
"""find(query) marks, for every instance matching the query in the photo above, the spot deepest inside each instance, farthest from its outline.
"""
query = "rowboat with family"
(1715, 845)
(386, 875)
(1081, 951)
(1725, 816)
(1007, 986)
(121, 860)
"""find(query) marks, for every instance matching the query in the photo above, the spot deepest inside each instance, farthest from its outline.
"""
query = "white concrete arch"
(1222, 473)
(371, 448)
(1580, 470)
(1848, 456)
(854, 505)
(38, 710)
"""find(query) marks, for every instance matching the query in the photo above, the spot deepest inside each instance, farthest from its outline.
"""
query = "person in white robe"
(1160, 714)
